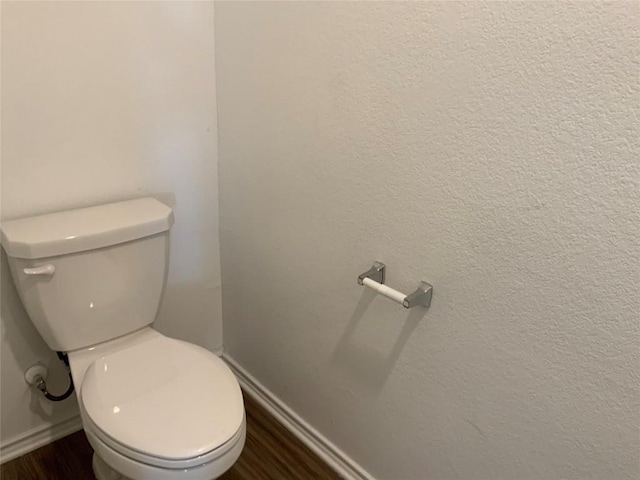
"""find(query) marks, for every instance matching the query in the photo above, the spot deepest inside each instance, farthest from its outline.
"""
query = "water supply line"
(42, 386)
(37, 374)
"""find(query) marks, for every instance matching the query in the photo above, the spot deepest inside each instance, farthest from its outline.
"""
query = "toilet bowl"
(152, 407)
(159, 408)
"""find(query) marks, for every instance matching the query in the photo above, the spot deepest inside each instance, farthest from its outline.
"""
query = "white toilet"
(153, 407)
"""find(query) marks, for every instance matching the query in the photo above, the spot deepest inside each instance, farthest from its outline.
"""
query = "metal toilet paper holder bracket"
(374, 278)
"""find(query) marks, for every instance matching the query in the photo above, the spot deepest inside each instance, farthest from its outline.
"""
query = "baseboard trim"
(319, 444)
(38, 437)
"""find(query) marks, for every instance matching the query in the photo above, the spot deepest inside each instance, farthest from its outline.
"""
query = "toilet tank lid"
(84, 229)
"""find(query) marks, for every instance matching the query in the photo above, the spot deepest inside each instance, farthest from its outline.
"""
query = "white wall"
(488, 148)
(104, 101)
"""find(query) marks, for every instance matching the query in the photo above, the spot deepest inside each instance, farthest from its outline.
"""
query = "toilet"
(152, 407)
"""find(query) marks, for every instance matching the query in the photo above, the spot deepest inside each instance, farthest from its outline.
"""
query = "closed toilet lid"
(164, 398)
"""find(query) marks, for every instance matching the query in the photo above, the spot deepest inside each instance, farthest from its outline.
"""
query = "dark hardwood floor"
(271, 452)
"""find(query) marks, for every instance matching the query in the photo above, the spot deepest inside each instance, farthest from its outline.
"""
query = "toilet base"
(102, 471)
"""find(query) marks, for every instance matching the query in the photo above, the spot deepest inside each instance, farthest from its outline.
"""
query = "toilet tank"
(89, 275)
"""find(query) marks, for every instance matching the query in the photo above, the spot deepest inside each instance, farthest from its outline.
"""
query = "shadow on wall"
(189, 311)
(22, 346)
(366, 365)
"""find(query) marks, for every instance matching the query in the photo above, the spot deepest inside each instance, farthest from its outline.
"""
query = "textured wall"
(488, 148)
(104, 101)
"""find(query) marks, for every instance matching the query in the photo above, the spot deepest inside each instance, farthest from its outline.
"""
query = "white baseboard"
(38, 437)
(319, 444)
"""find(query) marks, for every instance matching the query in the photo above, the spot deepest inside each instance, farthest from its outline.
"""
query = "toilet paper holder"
(374, 279)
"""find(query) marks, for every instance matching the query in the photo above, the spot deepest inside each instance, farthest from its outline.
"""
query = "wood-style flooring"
(271, 452)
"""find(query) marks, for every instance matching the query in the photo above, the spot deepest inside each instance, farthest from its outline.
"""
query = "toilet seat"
(163, 402)
(132, 469)
(185, 464)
